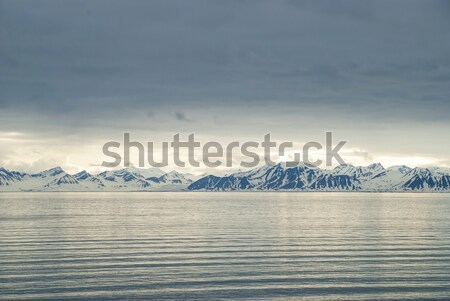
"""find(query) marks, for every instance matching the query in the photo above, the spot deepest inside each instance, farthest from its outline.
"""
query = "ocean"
(224, 246)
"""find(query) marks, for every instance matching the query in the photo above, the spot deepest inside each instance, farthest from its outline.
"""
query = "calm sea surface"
(213, 246)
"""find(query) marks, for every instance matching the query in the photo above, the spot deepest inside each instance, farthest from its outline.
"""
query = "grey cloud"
(180, 116)
(356, 153)
(101, 67)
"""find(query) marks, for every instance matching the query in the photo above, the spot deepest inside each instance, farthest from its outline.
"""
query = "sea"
(224, 246)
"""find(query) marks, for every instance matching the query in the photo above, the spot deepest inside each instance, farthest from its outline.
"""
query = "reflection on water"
(324, 246)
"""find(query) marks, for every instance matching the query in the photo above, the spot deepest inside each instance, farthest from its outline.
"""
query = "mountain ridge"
(372, 178)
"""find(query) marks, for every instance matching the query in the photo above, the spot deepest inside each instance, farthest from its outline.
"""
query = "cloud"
(87, 72)
(180, 116)
(357, 154)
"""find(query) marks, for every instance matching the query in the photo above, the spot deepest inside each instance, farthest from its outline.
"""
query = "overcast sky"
(75, 74)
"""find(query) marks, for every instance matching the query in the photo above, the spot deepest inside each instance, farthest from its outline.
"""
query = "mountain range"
(127, 179)
(374, 178)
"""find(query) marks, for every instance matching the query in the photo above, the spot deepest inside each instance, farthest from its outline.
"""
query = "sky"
(77, 74)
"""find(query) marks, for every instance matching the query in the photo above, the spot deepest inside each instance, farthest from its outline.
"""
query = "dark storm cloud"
(108, 59)
(181, 117)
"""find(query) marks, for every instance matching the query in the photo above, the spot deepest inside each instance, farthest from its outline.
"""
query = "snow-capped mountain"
(342, 178)
(51, 179)
(278, 177)
(124, 179)
(374, 177)
(127, 179)
(89, 180)
(425, 179)
(175, 178)
(9, 178)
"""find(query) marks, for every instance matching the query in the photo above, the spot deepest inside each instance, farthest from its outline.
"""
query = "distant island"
(372, 178)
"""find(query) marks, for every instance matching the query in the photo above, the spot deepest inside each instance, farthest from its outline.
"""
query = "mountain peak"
(285, 165)
(375, 166)
(344, 169)
(344, 166)
(421, 171)
(173, 173)
(50, 172)
(56, 169)
(401, 168)
(145, 172)
(82, 175)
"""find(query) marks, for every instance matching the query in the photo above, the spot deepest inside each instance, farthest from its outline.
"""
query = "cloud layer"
(80, 73)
